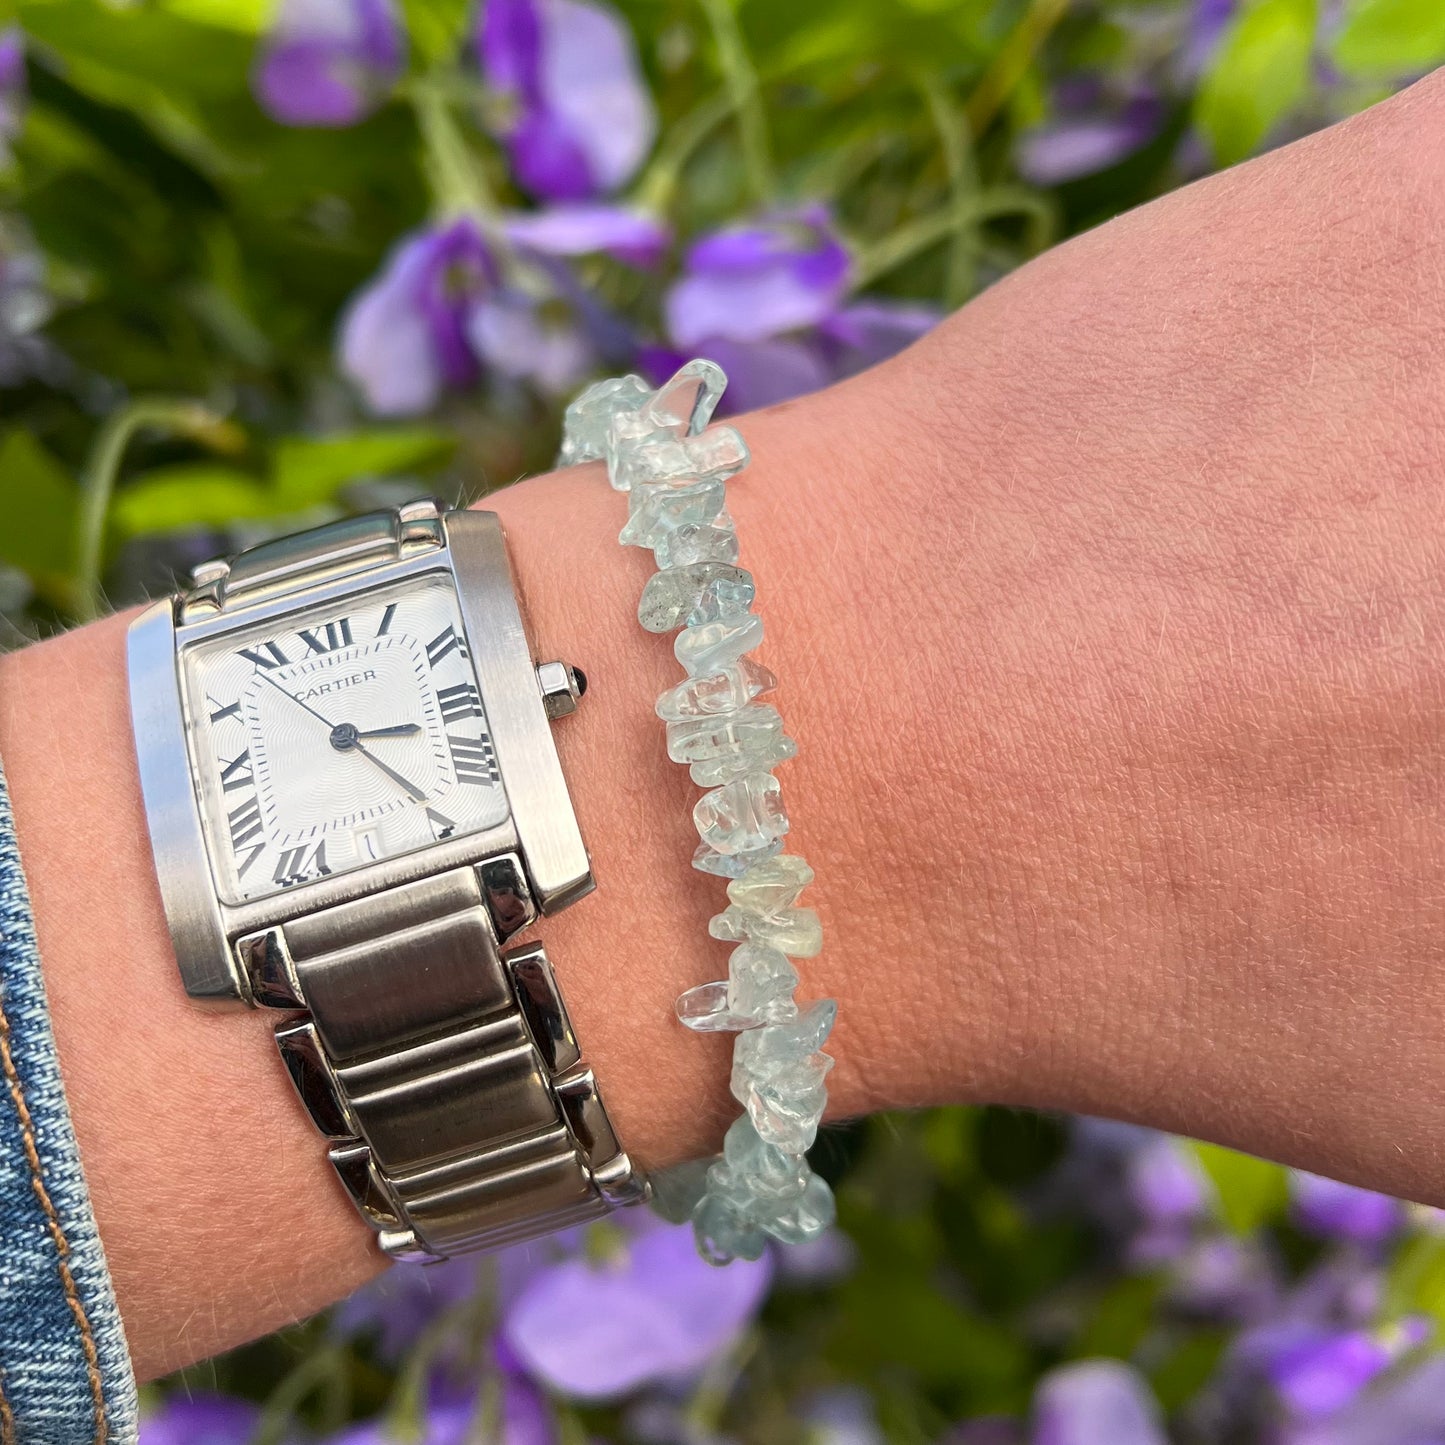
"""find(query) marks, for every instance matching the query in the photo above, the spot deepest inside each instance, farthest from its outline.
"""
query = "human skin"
(1111, 623)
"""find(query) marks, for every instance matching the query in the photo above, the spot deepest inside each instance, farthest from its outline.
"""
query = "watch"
(355, 802)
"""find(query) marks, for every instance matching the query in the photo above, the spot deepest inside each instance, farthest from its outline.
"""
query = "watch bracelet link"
(442, 1069)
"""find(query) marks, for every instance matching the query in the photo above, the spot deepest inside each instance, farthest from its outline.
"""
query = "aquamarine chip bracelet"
(661, 451)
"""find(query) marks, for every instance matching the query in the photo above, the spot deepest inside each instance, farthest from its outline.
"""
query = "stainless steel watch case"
(541, 830)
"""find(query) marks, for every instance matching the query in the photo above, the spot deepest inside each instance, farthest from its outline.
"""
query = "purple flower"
(523, 1420)
(585, 229)
(1315, 1372)
(200, 1420)
(1208, 20)
(579, 119)
(515, 335)
(1142, 1187)
(449, 304)
(405, 335)
(25, 306)
(1224, 1278)
(842, 1416)
(1405, 1411)
(1171, 1195)
(750, 283)
(398, 1305)
(12, 85)
(329, 62)
(768, 302)
(1094, 1402)
(652, 1310)
(866, 332)
(827, 1259)
(760, 373)
(1331, 1210)
(1088, 136)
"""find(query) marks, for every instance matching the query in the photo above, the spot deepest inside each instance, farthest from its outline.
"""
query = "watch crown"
(562, 685)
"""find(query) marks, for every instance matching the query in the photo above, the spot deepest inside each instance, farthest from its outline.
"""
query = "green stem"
(1010, 62)
(457, 181)
(958, 163)
(314, 1371)
(655, 190)
(469, 1317)
(102, 469)
(929, 230)
(745, 96)
(709, 1400)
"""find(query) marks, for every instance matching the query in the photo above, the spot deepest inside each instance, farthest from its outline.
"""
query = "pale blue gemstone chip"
(661, 449)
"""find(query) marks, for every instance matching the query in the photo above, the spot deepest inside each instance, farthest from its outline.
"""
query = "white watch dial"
(339, 736)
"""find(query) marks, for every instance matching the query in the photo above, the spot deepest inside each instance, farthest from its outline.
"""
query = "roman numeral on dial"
(296, 865)
(441, 825)
(222, 713)
(237, 773)
(246, 829)
(473, 759)
(265, 654)
(462, 700)
(329, 638)
(444, 644)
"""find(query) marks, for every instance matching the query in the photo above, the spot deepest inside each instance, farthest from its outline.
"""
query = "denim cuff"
(65, 1373)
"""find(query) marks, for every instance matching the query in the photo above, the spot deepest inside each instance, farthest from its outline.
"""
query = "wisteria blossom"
(452, 302)
(1091, 129)
(1094, 1402)
(1141, 1187)
(1331, 1210)
(200, 1419)
(573, 111)
(399, 1305)
(517, 1414)
(12, 86)
(407, 334)
(1315, 1371)
(1407, 1409)
(25, 306)
(596, 1325)
(586, 228)
(769, 301)
(329, 62)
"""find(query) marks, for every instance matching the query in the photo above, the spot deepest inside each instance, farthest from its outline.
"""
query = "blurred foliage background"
(261, 266)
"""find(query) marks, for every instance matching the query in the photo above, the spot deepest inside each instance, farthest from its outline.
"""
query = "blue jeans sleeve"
(65, 1375)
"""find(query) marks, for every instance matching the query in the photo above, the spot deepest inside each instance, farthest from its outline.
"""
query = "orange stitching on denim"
(7, 1417)
(62, 1245)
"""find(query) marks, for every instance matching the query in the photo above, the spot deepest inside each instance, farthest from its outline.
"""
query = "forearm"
(1108, 623)
(217, 1207)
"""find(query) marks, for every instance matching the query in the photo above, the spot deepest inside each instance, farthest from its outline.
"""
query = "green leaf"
(1251, 1191)
(1384, 39)
(436, 28)
(170, 499)
(1180, 1375)
(39, 493)
(1415, 1284)
(309, 471)
(887, 1323)
(247, 16)
(1121, 1318)
(1259, 75)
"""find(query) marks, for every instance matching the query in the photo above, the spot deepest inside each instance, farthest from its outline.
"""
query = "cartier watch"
(355, 801)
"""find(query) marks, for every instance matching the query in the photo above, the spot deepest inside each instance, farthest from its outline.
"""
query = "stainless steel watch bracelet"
(445, 1072)
(441, 1067)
